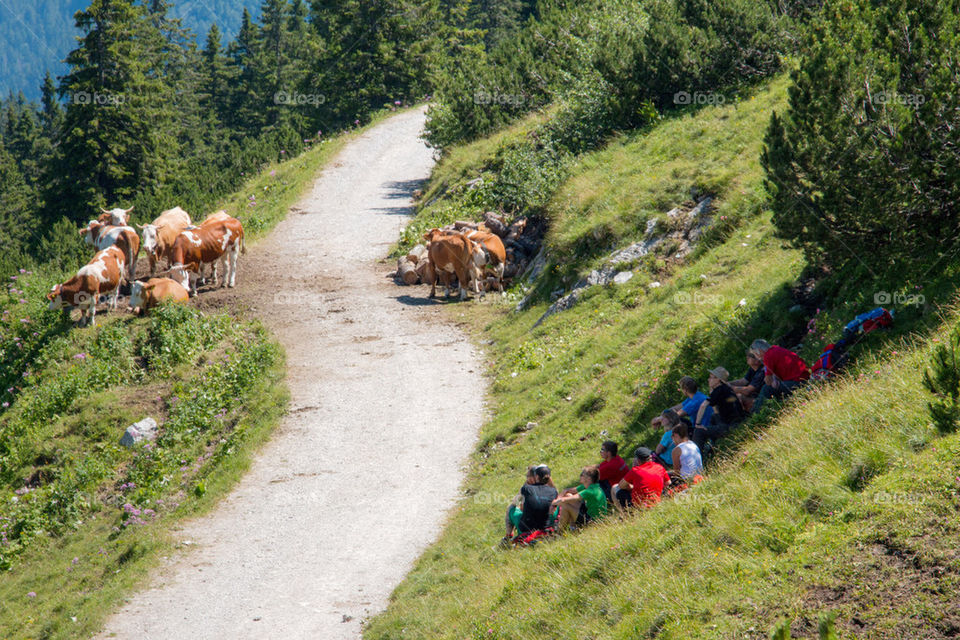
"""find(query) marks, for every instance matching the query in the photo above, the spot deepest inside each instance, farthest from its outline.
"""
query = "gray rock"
(537, 266)
(702, 208)
(613, 268)
(146, 429)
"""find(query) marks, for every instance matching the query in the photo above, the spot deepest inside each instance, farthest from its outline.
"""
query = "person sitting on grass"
(582, 504)
(751, 383)
(686, 456)
(663, 453)
(530, 510)
(612, 469)
(727, 410)
(783, 372)
(690, 405)
(645, 481)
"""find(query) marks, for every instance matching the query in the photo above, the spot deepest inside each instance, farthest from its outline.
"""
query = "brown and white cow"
(147, 295)
(452, 253)
(489, 252)
(102, 275)
(159, 235)
(197, 246)
(116, 217)
(216, 216)
(100, 236)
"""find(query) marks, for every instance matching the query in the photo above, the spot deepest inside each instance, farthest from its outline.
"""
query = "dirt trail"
(386, 403)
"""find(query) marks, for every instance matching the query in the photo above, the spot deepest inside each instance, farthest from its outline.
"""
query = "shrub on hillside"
(943, 381)
(638, 54)
(866, 155)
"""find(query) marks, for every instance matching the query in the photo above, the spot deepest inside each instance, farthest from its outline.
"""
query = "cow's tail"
(243, 244)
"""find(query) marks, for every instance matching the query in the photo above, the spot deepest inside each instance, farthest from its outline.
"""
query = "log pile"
(521, 239)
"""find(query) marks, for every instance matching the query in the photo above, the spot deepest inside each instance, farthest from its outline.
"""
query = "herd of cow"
(217, 241)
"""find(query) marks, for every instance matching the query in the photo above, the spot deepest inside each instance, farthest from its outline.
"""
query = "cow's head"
(118, 217)
(149, 234)
(54, 297)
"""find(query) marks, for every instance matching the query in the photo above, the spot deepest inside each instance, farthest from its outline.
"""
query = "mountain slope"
(846, 500)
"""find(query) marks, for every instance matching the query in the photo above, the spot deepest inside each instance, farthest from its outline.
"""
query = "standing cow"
(488, 251)
(216, 216)
(159, 235)
(453, 253)
(100, 236)
(197, 246)
(100, 276)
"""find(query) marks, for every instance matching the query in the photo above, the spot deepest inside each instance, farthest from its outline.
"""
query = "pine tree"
(17, 203)
(866, 155)
(52, 114)
(500, 19)
(117, 129)
(216, 80)
(275, 61)
(248, 97)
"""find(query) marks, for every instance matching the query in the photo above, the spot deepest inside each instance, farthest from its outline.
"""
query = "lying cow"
(100, 276)
(197, 246)
(452, 253)
(100, 236)
(489, 252)
(147, 295)
(159, 235)
(116, 217)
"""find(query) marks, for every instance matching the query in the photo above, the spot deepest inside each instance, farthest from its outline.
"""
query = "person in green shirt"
(584, 503)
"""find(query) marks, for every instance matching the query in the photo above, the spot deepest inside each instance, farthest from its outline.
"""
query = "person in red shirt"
(784, 371)
(645, 481)
(612, 469)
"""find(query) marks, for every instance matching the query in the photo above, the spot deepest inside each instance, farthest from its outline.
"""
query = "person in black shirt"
(530, 510)
(750, 384)
(727, 410)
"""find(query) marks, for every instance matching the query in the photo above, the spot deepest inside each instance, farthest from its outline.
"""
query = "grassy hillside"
(83, 519)
(845, 501)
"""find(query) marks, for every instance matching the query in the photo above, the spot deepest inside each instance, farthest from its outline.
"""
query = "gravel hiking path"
(387, 401)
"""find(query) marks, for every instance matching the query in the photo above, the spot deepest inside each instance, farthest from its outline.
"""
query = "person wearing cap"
(727, 410)
(690, 405)
(645, 481)
(582, 504)
(531, 509)
(751, 383)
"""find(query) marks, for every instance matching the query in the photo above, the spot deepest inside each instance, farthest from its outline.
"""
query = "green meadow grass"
(801, 507)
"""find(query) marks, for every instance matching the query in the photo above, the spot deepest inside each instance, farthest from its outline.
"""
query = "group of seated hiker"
(610, 485)
(675, 463)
